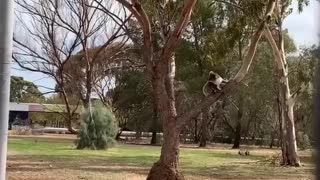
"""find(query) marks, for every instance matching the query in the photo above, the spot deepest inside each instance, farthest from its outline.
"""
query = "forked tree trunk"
(286, 100)
(163, 74)
(167, 167)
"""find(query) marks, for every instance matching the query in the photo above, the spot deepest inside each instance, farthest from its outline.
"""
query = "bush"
(98, 130)
(303, 141)
(21, 130)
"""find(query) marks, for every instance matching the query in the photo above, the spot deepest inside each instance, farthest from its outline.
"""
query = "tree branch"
(138, 11)
(236, 81)
(174, 36)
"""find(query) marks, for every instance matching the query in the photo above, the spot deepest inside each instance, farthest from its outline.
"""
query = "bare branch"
(174, 36)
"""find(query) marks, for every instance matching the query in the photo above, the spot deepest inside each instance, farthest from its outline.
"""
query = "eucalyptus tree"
(303, 71)
(22, 90)
(274, 35)
(160, 71)
(219, 34)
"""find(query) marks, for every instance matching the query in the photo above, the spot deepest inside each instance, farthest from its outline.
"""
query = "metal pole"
(6, 33)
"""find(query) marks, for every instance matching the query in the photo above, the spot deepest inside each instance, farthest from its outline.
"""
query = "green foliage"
(133, 101)
(98, 129)
(301, 4)
(303, 141)
(289, 44)
(303, 73)
(24, 91)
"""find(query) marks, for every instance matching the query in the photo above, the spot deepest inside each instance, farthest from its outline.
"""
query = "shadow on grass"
(141, 164)
(34, 156)
(34, 163)
(251, 171)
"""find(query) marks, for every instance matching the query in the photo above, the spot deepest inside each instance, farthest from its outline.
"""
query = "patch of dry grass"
(49, 159)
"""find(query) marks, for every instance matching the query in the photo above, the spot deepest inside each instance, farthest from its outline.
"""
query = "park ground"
(55, 158)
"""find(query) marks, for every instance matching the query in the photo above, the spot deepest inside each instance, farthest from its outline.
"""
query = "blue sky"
(302, 27)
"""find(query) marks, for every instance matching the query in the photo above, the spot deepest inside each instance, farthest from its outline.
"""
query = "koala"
(214, 83)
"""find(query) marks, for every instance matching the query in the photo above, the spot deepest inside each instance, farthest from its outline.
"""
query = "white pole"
(6, 33)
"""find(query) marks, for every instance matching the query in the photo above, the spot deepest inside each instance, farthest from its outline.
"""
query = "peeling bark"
(286, 100)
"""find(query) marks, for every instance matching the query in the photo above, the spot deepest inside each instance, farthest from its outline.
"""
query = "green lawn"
(58, 159)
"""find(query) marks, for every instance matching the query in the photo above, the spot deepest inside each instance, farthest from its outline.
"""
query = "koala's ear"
(211, 73)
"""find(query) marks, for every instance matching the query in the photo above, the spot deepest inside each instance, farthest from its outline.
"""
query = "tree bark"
(272, 141)
(163, 74)
(204, 128)
(69, 125)
(196, 137)
(237, 136)
(154, 140)
(287, 100)
(118, 135)
(163, 88)
(70, 113)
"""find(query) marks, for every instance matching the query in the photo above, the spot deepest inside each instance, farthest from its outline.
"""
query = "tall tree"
(161, 72)
(24, 91)
(286, 98)
(57, 30)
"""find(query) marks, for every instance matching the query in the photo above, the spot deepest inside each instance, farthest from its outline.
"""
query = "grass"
(36, 159)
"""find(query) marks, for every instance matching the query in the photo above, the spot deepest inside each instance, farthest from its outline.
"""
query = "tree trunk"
(288, 144)
(69, 125)
(237, 136)
(282, 126)
(163, 88)
(246, 133)
(272, 141)
(167, 166)
(287, 100)
(164, 72)
(290, 138)
(154, 140)
(204, 128)
(251, 117)
(215, 120)
(69, 111)
(138, 135)
(196, 137)
(118, 135)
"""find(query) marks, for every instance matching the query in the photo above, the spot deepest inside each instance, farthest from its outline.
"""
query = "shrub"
(21, 130)
(303, 141)
(98, 129)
